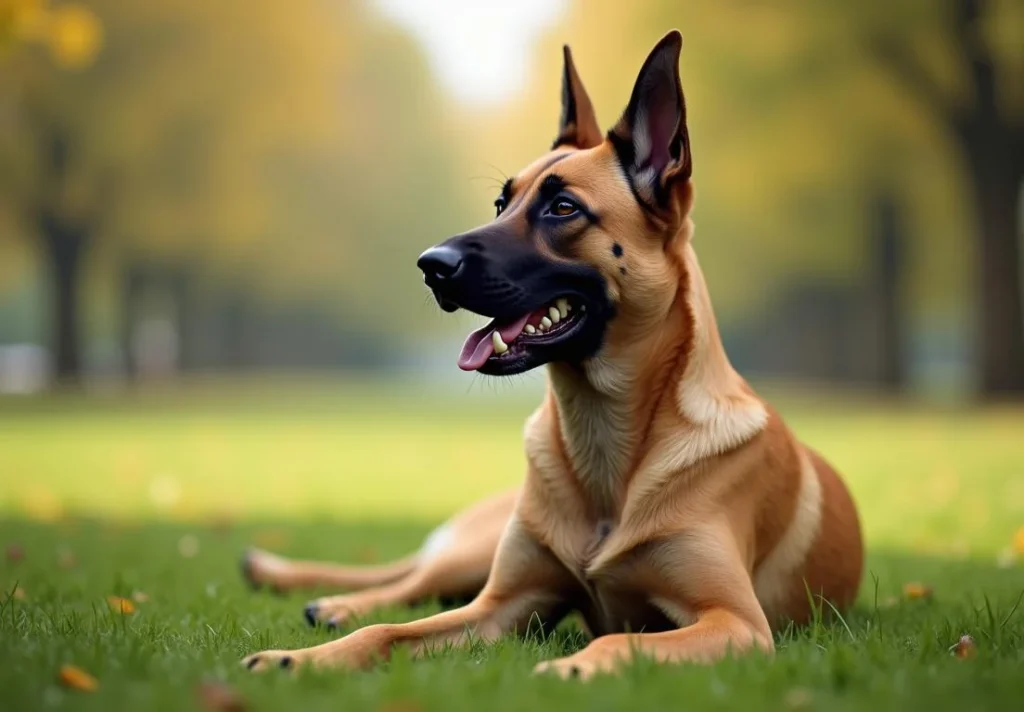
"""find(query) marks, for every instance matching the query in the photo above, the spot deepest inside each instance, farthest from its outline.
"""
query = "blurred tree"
(798, 130)
(980, 104)
(50, 200)
(280, 148)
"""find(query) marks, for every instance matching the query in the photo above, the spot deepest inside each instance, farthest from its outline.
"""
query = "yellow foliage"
(77, 679)
(75, 36)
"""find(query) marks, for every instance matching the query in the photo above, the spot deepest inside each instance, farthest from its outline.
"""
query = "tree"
(985, 121)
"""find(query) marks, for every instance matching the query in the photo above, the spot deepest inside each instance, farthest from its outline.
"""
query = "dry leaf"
(218, 697)
(15, 553)
(77, 679)
(917, 591)
(400, 706)
(799, 698)
(121, 605)
(66, 560)
(965, 647)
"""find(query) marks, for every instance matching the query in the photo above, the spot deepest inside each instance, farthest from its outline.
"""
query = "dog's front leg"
(700, 575)
(525, 582)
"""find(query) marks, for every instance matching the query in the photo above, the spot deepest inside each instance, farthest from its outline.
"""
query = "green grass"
(336, 471)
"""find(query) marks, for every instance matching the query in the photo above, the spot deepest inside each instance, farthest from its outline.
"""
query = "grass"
(159, 493)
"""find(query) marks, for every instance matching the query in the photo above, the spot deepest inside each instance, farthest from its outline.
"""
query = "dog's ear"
(651, 137)
(578, 126)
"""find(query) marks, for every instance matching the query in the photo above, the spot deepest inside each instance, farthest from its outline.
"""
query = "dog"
(661, 495)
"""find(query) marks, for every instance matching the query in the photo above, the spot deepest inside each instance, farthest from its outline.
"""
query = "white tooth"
(500, 346)
(530, 329)
(545, 324)
(554, 314)
(563, 307)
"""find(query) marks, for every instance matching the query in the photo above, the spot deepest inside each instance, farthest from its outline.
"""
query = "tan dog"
(661, 495)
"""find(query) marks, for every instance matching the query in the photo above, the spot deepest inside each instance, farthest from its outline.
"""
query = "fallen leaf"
(218, 697)
(15, 553)
(965, 647)
(916, 590)
(799, 698)
(400, 706)
(66, 560)
(121, 605)
(77, 679)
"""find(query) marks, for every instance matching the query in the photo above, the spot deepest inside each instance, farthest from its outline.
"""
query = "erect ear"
(651, 137)
(578, 126)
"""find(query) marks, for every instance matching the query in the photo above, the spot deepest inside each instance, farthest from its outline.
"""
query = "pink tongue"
(480, 345)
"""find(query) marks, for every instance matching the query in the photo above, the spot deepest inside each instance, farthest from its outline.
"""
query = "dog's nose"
(441, 262)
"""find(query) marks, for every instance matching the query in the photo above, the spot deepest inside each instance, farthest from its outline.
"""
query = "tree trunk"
(996, 183)
(64, 250)
(887, 258)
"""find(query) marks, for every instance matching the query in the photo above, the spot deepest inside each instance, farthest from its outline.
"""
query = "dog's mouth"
(502, 348)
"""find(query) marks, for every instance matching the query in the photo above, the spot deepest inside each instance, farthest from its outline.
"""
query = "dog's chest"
(612, 599)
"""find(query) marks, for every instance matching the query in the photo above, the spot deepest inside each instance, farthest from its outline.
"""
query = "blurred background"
(190, 187)
(196, 195)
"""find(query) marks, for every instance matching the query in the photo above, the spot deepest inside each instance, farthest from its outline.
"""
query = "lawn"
(158, 494)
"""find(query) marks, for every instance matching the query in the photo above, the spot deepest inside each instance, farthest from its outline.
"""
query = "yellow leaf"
(1018, 541)
(917, 590)
(77, 679)
(121, 605)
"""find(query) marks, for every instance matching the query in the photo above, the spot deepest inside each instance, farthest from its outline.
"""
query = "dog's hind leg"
(452, 564)
(262, 568)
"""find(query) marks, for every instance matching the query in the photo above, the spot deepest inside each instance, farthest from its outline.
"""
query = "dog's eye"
(563, 207)
(499, 206)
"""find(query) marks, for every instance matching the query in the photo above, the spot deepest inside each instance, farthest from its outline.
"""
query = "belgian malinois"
(662, 494)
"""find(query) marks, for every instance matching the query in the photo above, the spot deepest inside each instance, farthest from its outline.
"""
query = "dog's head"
(579, 255)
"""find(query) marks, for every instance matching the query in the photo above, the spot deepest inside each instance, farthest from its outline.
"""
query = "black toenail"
(574, 671)
(310, 612)
(286, 662)
(252, 663)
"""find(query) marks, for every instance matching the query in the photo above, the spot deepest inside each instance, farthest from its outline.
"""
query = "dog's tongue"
(480, 344)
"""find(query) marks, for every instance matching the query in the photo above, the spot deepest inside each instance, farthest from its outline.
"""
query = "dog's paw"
(331, 611)
(274, 659)
(571, 668)
(261, 568)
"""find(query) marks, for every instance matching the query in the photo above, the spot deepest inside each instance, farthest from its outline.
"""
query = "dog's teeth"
(554, 314)
(500, 346)
(530, 329)
(545, 324)
(563, 307)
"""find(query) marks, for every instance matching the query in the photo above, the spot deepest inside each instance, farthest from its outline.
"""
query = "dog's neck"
(608, 409)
